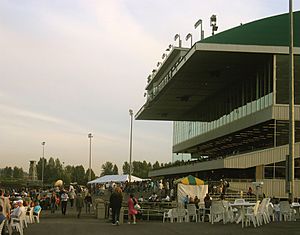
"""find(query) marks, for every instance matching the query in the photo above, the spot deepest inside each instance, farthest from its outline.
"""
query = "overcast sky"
(70, 67)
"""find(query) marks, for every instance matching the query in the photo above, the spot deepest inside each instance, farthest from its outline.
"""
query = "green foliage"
(93, 176)
(79, 175)
(107, 169)
(54, 170)
(18, 173)
(156, 165)
(125, 168)
(115, 170)
(7, 173)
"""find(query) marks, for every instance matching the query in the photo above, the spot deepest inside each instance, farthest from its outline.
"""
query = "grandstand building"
(228, 99)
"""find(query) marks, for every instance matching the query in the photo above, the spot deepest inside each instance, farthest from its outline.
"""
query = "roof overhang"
(204, 71)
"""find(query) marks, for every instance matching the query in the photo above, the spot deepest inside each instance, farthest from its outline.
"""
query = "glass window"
(280, 172)
(282, 78)
(268, 172)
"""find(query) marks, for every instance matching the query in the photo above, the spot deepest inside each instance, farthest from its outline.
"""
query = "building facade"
(228, 96)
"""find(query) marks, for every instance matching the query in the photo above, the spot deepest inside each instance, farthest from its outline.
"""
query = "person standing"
(5, 203)
(79, 204)
(115, 200)
(88, 203)
(72, 195)
(53, 202)
(64, 201)
(131, 210)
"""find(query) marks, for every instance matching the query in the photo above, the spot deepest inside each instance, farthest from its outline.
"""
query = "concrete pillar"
(259, 173)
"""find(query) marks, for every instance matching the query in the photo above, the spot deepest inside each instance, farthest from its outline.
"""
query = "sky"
(73, 67)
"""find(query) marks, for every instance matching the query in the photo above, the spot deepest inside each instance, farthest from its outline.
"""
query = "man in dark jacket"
(115, 200)
(79, 204)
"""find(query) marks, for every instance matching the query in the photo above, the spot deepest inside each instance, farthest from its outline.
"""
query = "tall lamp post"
(130, 144)
(90, 136)
(291, 165)
(189, 36)
(43, 162)
(213, 24)
(177, 36)
(199, 22)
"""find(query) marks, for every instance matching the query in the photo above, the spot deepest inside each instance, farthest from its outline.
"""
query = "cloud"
(68, 68)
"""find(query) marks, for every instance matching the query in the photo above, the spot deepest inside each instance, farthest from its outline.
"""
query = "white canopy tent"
(115, 178)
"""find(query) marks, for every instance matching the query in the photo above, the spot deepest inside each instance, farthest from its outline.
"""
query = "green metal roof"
(271, 31)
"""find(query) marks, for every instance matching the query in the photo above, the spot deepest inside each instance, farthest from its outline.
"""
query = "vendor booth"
(192, 187)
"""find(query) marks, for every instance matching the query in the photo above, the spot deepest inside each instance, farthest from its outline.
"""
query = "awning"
(190, 180)
(115, 178)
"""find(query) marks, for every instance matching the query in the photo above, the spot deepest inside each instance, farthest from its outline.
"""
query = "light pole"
(291, 169)
(90, 136)
(199, 22)
(177, 36)
(43, 162)
(213, 24)
(189, 36)
(130, 144)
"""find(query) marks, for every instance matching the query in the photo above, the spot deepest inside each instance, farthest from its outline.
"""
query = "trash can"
(100, 210)
(121, 215)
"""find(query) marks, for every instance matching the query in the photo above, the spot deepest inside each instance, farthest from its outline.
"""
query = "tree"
(140, 169)
(79, 175)
(156, 165)
(39, 168)
(115, 170)
(67, 175)
(107, 169)
(125, 168)
(18, 173)
(93, 176)
(7, 172)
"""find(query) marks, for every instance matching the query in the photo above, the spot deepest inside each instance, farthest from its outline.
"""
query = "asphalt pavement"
(58, 224)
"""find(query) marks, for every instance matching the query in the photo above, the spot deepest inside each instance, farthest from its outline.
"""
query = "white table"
(242, 207)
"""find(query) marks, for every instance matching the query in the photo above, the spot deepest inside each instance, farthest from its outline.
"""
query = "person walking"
(53, 202)
(79, 204)
(131, 210)
(115, 201)
(88, 203)
(72, 196)
(64, 201)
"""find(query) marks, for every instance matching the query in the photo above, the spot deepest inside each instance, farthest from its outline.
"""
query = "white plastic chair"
(182, 215)
(263, 213)
(15, 224)
(192, 212)
(252, 215)
(37, 217)
(286, 211)
(229, 215)
(271, 212)
(29, 217)
(23, 220)
(174, 215)
(167, 215)
(217, 212)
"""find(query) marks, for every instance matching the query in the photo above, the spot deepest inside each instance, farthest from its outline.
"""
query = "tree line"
(54, 170)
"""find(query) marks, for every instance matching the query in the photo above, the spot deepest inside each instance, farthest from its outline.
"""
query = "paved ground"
(88, 224)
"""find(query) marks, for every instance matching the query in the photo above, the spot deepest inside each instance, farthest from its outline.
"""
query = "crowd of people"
(12, 207)
(15, 203)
